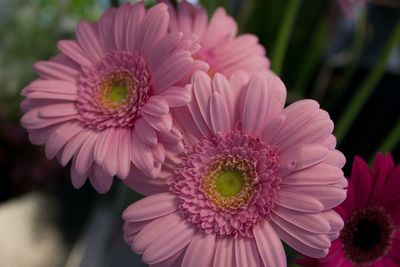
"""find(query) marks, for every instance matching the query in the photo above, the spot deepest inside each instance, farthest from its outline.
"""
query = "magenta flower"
(371, 211)
(221, 48)
(105, 101)
(252, 173)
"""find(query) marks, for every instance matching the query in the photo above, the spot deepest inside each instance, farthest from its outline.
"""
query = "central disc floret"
(228, 183)
(111, 92)
(367, 235)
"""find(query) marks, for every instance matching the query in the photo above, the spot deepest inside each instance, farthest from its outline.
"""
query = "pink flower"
(104, 102)
(371, 233)
(253, 173)
(221, 48)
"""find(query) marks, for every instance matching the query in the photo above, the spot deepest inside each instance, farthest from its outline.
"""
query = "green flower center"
(118, 93)
(229, 183)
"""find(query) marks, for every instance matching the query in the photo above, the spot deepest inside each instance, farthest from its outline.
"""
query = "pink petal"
(177, 96)
(151, 207)
(100, 180)
(145, 185)
(315, 246)
(60, 137)
(201, 242)
(163, 48)
(73, 145)
(88, 39)
(153, 230)
(246, 252)
(120, 25)
(273, 128)
(300, 157)
(329, 196)
(155, 106)
(296, 115)
(147, 133)
(58, 110)
(224, 252)
(335, 158)
(170, 243)
(111, 162)
(63, 87)
(220, 117)
(105, 27)
(32, 120)
(310, 222)
(101, 149)
(175, 67)
(159, 152)
(72, 50)
(77, 179)
(124, 153)
(56, 71)
(142, 156)
(221, 85)
(220, 23)
(269, 245)
(154, 26)
(162, 123)
(133, 26)
(319, 174)
(52, 96)
(298, 201)
(85, 157)
(257, 100)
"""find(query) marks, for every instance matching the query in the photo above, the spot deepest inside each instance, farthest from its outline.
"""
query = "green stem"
(366, 88)
(278, 54)
(356, 51)
(311, 57)
(392, 140)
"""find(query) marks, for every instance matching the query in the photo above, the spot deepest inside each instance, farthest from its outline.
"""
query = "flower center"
(227, 184)
(229, 181)
(367, 235)
(115, 90)
(111, 92)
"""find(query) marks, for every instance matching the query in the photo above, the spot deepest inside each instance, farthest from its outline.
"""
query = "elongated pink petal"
(220, 123)
(124, 153)
(298, 201)
(63, 87)
(169, 244)
(100, 180)
(144, 130)
(85, 157)
(269, 245)
(319, 174)
(73, 146)
(224, 252)
(177, 96)
(246, 252)
(200, 242)
(60, 137)
(153, 230)
(88, 39)
(72, 50)
(151, 207)
(142, 156)
(58, 110)
(156, 106)
(52, 70)
(145, 185)
(133, 26)
(105, 28)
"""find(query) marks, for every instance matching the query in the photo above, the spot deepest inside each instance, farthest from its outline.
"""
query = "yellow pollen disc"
(229, 182)
(115, 90)
(118, 93)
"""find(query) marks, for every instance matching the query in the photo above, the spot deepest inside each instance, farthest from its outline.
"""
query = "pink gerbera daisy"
(105, 101)
(221, 48)
(252, 173)
(371, 233)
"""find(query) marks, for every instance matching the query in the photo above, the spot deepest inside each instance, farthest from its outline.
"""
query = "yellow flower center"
(116, 90)
(229, 182)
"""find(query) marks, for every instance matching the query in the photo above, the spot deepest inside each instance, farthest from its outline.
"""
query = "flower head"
(252, 173)
(371, 212)
(221, 48)
(104, 102)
